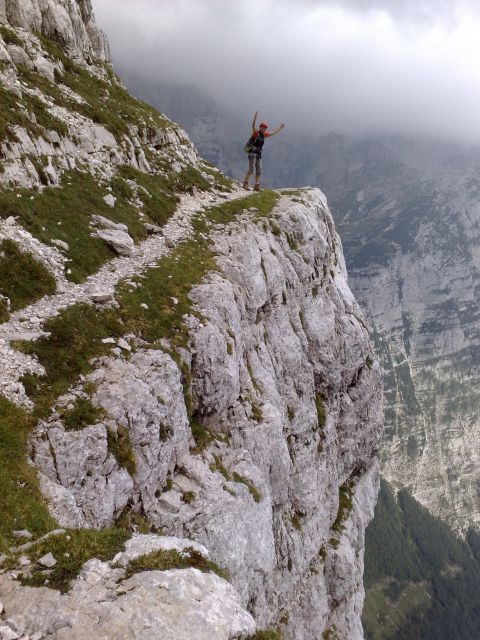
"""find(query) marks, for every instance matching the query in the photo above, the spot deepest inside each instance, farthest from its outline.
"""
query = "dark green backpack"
(249, 147)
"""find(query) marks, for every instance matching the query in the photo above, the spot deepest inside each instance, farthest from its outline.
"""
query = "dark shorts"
(254, 162)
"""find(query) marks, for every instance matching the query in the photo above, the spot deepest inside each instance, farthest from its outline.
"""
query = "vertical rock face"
(251, 426)
(283, 378)
(72, 24)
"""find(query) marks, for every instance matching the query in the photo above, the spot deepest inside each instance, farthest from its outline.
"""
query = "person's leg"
(258, 173)
(251, 161)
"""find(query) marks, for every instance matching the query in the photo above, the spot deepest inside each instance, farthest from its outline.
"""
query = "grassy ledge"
(24, 280)
(71, 550)
(75, 339)
(164, 560)
(21, 503)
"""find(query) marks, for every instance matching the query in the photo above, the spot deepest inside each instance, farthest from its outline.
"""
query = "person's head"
(263, 127)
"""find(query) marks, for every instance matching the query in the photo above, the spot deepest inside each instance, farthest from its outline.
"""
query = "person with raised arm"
(254, 148)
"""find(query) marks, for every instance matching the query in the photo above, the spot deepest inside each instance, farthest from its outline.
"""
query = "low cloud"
(349, 66)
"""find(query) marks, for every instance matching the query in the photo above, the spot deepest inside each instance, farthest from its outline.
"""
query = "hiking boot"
(246, 187)
(257, 187)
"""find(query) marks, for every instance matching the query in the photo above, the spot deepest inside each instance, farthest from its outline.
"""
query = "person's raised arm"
(275, 131)
(254, 123)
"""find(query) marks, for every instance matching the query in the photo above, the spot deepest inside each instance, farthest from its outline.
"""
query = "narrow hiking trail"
(27, 323)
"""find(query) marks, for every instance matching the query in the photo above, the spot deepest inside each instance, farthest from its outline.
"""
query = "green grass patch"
(202, 436)
(120, 446)
(12, 114)
(345, 504)
(75, 338)
(9, 36)
(71, 550)
(4, 310)
(164, 560)
(64, 213)
(321, 411)
(254, 492)
(157, 193)
(220, 467)
(189, 496)
(266, 634)
(21, 503)
(129, 520)
(107, 102)
(83, 414)
(24, 280)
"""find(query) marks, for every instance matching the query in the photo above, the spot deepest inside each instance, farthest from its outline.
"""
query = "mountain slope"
(194, 364)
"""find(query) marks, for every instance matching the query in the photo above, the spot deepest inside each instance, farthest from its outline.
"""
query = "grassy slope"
(75, 337)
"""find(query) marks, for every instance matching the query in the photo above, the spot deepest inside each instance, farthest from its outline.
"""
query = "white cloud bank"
(345, 66)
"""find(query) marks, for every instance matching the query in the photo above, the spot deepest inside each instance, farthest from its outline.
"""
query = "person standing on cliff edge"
(254, 148)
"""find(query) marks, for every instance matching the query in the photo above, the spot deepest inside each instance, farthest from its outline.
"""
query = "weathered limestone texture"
(256, 439)
(71, 23)
(179, 604)
(282, 374)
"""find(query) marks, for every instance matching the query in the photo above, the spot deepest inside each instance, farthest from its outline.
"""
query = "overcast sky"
(347, 66)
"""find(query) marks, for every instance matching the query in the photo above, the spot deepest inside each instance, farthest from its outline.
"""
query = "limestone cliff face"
(235, 406)
(283, 377)
(70, 23)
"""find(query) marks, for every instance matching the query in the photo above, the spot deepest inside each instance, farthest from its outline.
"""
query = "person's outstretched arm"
(275, 131)
(254, 123)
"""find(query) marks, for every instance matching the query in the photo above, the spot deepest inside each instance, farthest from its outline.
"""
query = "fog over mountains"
(320, 66)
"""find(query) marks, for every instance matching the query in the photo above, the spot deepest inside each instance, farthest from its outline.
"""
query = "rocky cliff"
(191, 409)
(408, 214)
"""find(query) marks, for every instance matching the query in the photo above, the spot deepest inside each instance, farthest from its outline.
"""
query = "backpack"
(250, 146)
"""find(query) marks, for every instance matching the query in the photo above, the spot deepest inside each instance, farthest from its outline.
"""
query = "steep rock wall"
(72, 24)
(256, 435)
(282, 375)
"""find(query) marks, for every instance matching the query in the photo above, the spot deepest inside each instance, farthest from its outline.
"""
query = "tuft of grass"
(254, 492)
(296, 522)
(21, 503)
(84, 413)
(71, 550)
(129, 520)
(120, 446)
(165, 560)
(4, 310)
(188, 497)
(64, 213)
(345, 504)
(202, 436)
(321, 411)
(266, 634)
(220, 467)
(9, 36)
(75, 337)
(257, 412)
(24, 280)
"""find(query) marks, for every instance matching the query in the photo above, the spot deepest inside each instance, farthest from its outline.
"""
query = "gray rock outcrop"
(283, 377)
(256, 438)
(70, 23)
(178, 604)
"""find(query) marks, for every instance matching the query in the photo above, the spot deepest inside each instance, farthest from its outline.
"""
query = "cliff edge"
(191, 404)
